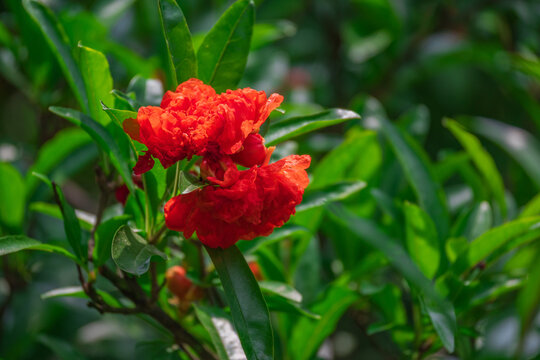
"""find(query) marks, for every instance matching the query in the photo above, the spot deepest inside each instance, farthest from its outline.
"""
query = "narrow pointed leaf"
(13, 243)
(97, 80)
(248, 308)
(59, 44)
(289, 128)
(481, 158)
(222, 56)
(178, 39)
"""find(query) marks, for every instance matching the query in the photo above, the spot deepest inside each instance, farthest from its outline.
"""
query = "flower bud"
(256, 270)
(253, 151)
(177, 281)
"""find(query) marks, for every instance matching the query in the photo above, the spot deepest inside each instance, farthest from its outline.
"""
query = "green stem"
(146, 209)
(176, 180)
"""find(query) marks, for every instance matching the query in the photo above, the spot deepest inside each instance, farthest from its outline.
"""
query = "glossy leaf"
(335, 192)
(483, 161)
(105, 141)
(131, 252)
(221, 331)
(286, 231)
(59, 44)
(104, 238)
(178, 39)
(222, 56)
(13, 243)
(97, 80)
(422, 240)
(295, 126)
(12, 193)
(248, 308)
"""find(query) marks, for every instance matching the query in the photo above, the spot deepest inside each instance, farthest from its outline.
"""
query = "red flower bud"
(177, 281)
(256, 270)
(253, 151)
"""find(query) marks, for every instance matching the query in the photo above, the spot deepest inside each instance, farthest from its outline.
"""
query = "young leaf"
(131, 252)
(422, 240)
(223, 54)
(288, 128)
(248, 308)
(13, 243)
(178, 39)
(105, 141)
(97, 80)
(13, 198)
(221, 331)
(483, 161)
(531, 208)
(59, 44)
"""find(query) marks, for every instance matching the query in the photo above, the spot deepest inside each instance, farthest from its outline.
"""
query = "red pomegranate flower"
(194, 120)
(257, 201)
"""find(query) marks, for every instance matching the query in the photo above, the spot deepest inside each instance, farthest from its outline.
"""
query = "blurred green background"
(424, 59)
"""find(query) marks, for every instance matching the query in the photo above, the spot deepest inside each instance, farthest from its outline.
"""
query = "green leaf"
(223, 54)
(248, 308)
(531, 208)
(86, 220)
(308, 334)
(481, 159)
(104, 238)
(417, 169)
(422, 240)
(288, 128)
(13, 198)
(97, 80)
(13, 243)
(320, 197)
(492, 240)
(528, 300)
(281, 289)
(369, 233)
(71, 291)
(118, 116)
(100, 135)
(518, 143)
(59, 44)
(131, 252)
(178, 40)
(72, 227)
(54, 152)
(356, 158)
(221, 331)
(286, 231)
